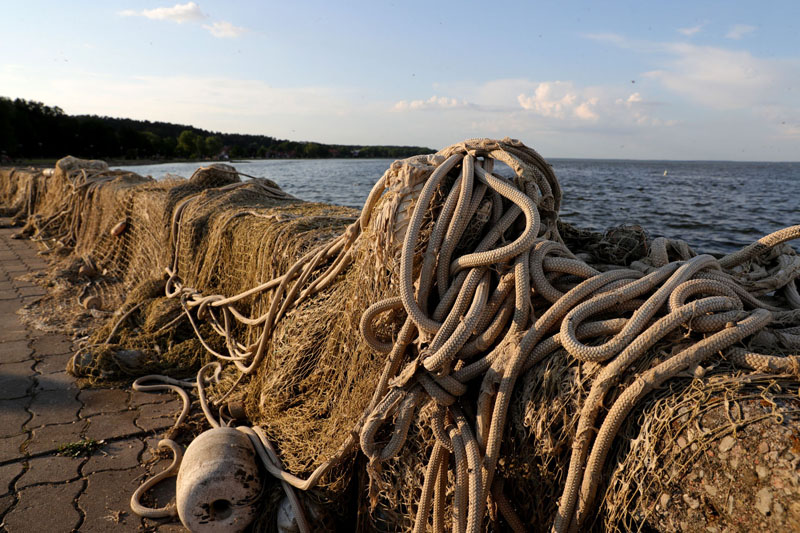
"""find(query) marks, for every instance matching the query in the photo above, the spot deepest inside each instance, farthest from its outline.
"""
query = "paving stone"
(51, 344)
(8, 294)
(53, 363)
(156, 424)
(31, 291)
(7, 475)
(13, 415)
(109, 426)
(49, 438)
(15, 379)
(5, 504)
(33, 262)
(160, 415)
(15, 351)
(57, 381)
(102, 401)
(164, 492)
(151, 450)
(9, 447)
(26, 300)
(13, 331)
(21, 284)
(45, 508)
(117, 455)
(145, 398)
(52, 407)
(171, 406)
(171, 527)
(9, 310)
(50, 469)
(106, 501)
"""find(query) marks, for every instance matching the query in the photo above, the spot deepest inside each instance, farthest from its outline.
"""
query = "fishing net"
(454, 355)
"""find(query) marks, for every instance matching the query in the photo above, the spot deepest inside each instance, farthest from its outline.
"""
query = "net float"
(218, 483)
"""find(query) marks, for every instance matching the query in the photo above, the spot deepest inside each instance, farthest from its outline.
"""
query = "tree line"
(33, 130)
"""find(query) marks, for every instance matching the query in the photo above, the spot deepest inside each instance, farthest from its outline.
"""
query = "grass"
(77, 449)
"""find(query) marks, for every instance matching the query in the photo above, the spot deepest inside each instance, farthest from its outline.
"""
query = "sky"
(629, 80)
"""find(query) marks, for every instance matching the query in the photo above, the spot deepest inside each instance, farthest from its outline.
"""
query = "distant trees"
(32, 130)
(188, 142)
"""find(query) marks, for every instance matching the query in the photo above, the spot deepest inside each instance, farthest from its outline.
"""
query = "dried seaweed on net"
(620, 245)
(375, 260)
(679, 432)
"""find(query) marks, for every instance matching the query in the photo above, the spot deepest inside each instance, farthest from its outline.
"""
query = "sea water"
(716, 206)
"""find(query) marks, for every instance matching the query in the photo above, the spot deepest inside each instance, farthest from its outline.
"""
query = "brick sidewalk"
(41, 409)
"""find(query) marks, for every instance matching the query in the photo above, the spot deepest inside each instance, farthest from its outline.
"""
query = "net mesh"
(112, 234)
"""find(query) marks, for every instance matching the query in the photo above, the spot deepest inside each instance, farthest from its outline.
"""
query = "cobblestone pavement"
(42, 409)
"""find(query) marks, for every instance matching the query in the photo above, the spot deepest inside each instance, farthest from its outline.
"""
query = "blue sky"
(642, 80)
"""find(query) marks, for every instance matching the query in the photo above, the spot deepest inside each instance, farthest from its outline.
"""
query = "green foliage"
(81, 448)
(187, 143)
(32, 130)
(213, 146)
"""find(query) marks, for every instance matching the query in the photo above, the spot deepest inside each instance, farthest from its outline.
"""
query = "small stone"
(665, 501)
(764, 501)
(92, 302)
(794, 511)
(119, 228)
(763, 447)
(711, 490)
(682, 442)
(727, 443)
(87, 271)
(772, 456)
(778, 509)
(762, 471)
(693, 503)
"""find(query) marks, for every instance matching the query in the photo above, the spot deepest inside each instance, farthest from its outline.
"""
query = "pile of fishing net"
(453, 356)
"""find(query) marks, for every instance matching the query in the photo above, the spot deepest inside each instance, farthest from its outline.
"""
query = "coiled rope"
(477, 318)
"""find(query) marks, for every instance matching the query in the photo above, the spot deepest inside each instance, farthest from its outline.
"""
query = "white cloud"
(738, 31)
(224, 29)
(691, 31)
(724, 79)
(188, 12)
(434, 102)
(585, 111)
(180, 13)
(634, 98)
(559, 99)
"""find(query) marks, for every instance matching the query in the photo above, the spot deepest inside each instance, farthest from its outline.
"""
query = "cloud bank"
(180, 13)
(188, 12)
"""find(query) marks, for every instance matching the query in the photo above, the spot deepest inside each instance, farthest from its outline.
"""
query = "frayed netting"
(454, 356)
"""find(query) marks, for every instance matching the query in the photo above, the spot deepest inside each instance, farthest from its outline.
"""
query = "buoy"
(119, 228)
(218, 482)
